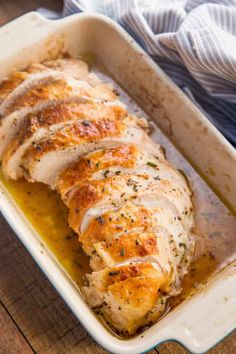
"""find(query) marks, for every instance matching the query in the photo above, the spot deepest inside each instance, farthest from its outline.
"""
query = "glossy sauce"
(48, 215)
(215, 230)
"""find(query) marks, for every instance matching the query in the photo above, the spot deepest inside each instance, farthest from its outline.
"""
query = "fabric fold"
(194, 42)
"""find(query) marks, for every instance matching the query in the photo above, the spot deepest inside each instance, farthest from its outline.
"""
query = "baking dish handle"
(32, 27)
(191, 328)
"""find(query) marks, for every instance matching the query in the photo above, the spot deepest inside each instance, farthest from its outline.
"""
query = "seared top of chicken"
(41, 124)
(131, 208)
(75, 68)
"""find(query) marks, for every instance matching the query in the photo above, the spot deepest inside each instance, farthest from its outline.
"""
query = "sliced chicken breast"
(58, 87)
(46, 122)
(126, 294)
(75, 140)
(128, 218)
(34, 83)
(47, 95)
(148, 246)
(131, 208)
(20, 82)
(122, 160)
(94, 198)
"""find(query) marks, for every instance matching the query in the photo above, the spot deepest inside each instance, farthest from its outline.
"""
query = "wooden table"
(33, 317)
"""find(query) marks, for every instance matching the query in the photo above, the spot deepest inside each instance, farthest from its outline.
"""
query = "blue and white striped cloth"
(194, 41)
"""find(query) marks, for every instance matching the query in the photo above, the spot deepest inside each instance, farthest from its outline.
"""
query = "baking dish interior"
(106, 47)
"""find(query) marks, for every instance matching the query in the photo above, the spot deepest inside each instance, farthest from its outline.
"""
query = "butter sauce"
(48, 215)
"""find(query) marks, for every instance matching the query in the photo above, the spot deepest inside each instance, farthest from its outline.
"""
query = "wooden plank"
(11, 339)
(37, 309)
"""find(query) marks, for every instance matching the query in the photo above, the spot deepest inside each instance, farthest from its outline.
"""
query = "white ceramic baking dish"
(207, 317)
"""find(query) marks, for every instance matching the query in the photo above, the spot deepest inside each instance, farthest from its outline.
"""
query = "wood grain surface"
(33, 317)
(9, 332)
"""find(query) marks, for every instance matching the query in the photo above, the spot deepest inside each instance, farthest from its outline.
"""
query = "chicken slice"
(9, 84)
(182, 212)
(58, 87)
(34, 83)
(74, 140)
(95, 197)
(99, 160)
(74, 67)
(47, 95)
(128, 218)
(126, 159)
(132, 219)
(127, 294)
(20, 82)
(141, 219)
(46, 122)
(40, 85)
(148, 246)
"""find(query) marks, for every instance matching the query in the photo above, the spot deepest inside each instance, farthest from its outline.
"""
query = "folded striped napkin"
(194, 42)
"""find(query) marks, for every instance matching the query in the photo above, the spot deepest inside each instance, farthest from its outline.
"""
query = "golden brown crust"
(84, 198)
(65, 111)
(130, 245)
(93, 191)
(112, 223)
(119, 274)
(83, 170)
(11, 83)
(137, 292)
(77, 133)
(58, 89)
(14, 145)
(59, 113)
(50, 90)
(128, 302)
(74, 67)
(16, 78)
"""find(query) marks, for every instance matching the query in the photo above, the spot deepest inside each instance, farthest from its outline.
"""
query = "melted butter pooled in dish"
(129, 210)
(48, 215)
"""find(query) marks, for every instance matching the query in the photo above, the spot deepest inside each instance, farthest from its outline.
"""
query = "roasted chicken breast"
(132, 210)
